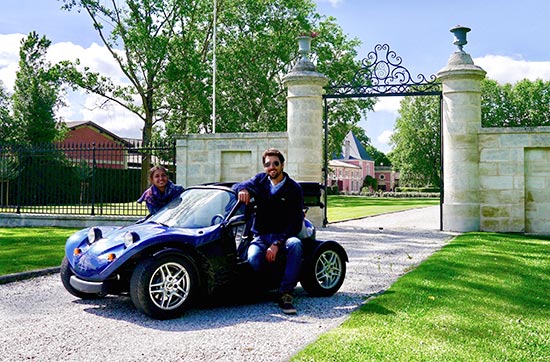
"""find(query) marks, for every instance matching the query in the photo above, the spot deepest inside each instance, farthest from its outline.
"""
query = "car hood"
(99, 259)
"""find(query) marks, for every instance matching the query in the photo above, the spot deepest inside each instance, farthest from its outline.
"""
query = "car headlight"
(130, 237)
(94, 234)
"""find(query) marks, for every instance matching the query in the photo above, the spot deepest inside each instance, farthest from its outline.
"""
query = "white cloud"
(80, 106)
(96, 57)
(384, 137)
(505, 69)
(334, 3)
(9, 58)
(388, 104)
(110, 116)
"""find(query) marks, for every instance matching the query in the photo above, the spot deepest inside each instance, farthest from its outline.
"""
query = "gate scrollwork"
(381, 73)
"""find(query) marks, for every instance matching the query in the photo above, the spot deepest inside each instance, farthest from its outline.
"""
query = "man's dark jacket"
(281, 213)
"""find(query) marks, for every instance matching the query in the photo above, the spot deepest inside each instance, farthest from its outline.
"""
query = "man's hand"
(271, 253)
(244, 196)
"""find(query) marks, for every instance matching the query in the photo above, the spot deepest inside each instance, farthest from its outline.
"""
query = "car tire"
(66, 273)
(325, 273)
(164, 287)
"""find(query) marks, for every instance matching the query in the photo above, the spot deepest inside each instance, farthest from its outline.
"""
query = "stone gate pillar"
(461, 123)
(305, 123)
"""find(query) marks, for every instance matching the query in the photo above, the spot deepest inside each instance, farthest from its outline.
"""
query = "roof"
(356, 150)
(77, 124)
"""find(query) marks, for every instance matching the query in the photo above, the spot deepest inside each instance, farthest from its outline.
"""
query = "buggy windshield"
(197, 208)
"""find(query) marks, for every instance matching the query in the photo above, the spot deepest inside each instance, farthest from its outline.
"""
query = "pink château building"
(350, 169)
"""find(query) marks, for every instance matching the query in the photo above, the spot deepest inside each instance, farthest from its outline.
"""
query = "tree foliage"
(524, 104)
(371, 182)
(416, 141)
(7, 126)
(336, 58)
(165, 48)
(37, 95)
(379, 157)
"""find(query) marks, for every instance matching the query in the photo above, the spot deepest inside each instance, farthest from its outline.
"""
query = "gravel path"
(40, 321)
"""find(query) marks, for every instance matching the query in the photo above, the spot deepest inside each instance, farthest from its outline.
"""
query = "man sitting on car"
(279, 219)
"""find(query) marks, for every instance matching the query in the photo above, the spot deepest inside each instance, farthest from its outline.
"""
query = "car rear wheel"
(66, 273)
(164, 287)
(326, 272)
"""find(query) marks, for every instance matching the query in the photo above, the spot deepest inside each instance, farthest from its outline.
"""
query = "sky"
(508, 39)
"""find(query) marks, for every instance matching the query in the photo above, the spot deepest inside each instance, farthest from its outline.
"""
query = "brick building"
(85, 136)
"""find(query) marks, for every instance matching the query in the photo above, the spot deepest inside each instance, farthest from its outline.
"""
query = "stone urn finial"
(304, 46)
(460, 36)
(304, 49)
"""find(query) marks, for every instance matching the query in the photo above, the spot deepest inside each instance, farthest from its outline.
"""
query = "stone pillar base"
(461, 217)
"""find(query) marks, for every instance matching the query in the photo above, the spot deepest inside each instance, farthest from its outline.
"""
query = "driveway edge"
(10, 278)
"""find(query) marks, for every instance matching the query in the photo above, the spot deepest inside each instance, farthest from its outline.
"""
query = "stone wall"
(514, 174)
(203, 158)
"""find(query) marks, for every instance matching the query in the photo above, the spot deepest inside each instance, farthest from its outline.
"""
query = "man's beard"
(277, 174)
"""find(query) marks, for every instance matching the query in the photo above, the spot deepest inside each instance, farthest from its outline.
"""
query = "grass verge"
(25, 249)
(483, 297)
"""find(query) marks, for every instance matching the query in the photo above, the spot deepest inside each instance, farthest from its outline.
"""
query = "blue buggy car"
(195, 245)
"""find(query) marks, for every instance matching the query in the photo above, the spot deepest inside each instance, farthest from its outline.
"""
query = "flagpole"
(214, 70)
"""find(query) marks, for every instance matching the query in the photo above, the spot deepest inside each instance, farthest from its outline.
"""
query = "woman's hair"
(152, 171)
(273, 152)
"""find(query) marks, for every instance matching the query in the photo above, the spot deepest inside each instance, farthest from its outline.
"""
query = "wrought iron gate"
(382, 75)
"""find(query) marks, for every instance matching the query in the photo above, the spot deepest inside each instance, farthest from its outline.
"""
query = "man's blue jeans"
(293, 246)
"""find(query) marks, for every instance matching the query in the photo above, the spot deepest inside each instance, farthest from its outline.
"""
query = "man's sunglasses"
(275, 163)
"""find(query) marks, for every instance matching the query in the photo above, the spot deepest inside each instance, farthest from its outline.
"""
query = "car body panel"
(218, 251)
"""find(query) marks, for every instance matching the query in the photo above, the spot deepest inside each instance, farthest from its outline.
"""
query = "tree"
(8, 161)
(371, 182)
(336, 58)
(416, 141)
(6, 120)
(524, 104)
(251, 58)
(141, 35)
(37, 95)
(379, 157)
(165, 49)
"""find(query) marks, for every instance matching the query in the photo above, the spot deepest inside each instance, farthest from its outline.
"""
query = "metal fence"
(83, 179)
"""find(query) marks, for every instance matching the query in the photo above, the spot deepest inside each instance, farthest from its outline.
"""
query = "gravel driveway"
(40, 321)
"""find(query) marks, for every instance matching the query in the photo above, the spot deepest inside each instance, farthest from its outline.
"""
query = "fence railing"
(77, 179)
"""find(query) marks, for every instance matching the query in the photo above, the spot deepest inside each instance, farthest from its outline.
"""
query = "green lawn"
(24, 249)
(483, 297)
(351, 207)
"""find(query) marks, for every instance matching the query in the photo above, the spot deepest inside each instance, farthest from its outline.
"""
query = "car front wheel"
(324, 275)
(164, 287)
